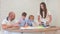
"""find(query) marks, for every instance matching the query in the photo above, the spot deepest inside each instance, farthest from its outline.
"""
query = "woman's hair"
(31, 16)
(41, 10)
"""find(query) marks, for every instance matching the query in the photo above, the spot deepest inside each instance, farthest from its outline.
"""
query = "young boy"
(22, 21)
(30, 21)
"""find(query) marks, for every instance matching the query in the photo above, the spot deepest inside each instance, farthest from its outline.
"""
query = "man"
(8, 23)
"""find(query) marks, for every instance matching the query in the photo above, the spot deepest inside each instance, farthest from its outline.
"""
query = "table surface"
(37, 30)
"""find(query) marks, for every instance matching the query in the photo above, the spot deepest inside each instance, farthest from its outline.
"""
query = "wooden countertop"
(37, 30)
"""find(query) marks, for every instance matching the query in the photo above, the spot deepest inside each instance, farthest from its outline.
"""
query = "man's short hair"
(11, 13)
(24, 14)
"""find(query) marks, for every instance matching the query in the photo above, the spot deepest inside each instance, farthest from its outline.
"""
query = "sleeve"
(26, 20)
(4, 22)
(18, 20)
(49, 13)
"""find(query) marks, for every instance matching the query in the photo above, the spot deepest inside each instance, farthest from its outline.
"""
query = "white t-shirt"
(7, 22)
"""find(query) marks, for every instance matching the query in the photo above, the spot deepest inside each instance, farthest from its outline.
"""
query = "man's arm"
(16, 26)
(5, 26)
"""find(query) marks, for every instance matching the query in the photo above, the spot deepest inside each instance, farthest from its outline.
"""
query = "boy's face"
(24, 17)
(31, 18)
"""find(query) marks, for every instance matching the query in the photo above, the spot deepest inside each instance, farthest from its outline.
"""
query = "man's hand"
(5, 26)
(9, 26)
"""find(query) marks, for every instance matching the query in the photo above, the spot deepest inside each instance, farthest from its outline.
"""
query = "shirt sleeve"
(49, 13)
(4, 21)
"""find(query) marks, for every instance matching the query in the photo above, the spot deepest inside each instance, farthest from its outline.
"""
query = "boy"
(30, 21)
(22, 21)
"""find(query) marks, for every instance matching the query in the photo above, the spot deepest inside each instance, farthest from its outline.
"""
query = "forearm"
(5, 27)
(50, 18)
(13, 28)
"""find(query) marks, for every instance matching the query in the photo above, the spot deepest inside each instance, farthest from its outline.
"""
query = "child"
(22, 20)
(30, 21)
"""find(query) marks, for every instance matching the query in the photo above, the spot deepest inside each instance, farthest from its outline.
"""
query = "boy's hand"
(26, 25)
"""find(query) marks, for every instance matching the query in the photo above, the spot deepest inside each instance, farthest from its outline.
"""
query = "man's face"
(12, 16)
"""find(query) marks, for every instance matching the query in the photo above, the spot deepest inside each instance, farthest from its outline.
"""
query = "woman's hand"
(47, 23)
(40, 23)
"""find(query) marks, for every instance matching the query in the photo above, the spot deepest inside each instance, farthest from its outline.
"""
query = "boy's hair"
(31, 16)
(24, 14)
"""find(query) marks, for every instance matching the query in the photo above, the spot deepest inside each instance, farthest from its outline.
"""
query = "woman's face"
(42, 6)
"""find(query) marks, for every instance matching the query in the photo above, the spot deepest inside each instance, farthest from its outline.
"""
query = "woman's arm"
(39, 20)
(50, 19)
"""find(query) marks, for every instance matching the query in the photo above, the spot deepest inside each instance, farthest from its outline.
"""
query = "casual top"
(22, 22)
(8, 22)
(30, 22)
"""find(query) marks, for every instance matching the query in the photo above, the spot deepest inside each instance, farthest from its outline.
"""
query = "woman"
(45, 16)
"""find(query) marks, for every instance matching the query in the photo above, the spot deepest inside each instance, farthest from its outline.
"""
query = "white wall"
(31, 7)
(54, 8)
(19, 6)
